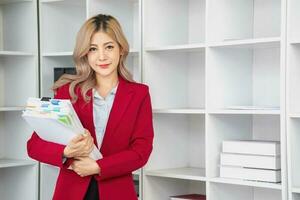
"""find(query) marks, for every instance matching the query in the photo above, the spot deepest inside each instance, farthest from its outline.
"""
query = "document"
(55, 120)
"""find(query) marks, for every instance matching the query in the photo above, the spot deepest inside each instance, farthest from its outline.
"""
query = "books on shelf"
(252, 161)
(255, 160)
(253, 147)
(188, 197)
(253, 174)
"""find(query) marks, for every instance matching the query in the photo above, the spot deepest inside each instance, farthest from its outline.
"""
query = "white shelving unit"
(201, 59)
(293, 96)
(216, 71)
(18, 81)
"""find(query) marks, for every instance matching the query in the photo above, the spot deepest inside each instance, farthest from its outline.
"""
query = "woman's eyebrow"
(103, 44)
(108, 42)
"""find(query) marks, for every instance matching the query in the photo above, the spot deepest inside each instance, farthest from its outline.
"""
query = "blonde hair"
(85, 76)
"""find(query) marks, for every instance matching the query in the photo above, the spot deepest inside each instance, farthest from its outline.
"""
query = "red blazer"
(126, 146)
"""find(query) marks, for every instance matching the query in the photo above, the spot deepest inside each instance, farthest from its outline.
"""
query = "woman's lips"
(104, 66)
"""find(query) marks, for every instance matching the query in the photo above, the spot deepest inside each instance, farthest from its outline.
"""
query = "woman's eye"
(92, 49)
(110, 47)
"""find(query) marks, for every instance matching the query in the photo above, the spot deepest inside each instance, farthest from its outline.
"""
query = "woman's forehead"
(101, 37)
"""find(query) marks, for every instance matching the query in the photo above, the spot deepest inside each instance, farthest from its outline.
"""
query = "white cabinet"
(216, 71)
(18, 80)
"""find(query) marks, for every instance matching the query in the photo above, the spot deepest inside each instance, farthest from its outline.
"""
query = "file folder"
(55, 121)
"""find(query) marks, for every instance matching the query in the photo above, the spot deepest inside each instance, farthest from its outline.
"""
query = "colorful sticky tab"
(54, 101)
(56, 109)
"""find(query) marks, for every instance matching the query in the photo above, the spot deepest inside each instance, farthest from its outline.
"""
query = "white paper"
(52, 130)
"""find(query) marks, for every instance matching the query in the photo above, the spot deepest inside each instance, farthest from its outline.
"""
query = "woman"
(115, 111)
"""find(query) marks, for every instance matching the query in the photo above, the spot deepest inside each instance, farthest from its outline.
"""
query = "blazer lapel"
(123, 97)
(121, 102)
(89, 116)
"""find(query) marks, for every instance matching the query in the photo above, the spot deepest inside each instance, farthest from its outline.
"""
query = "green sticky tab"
(65, 120)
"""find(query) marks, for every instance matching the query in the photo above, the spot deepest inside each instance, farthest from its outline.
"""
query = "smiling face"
(104, 55)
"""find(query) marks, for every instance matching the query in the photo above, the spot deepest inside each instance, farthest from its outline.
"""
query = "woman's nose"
(101, 55)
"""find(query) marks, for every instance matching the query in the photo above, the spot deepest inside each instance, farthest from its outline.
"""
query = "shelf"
(74, 2)
(246, 183)
(60, 21)
(243, 19)
(179, 111)
(133, 51)
(246, 112)
(294, 115)
(296, 190)
(184, 72)
(255, 81)
(13, 1)
(18, 108)
(159, 18)
(6, 163)
(186, 173)
(178, 48)
(272, 42)
(54, 54)
(49, 1)
(70, 53)
(295, 42)
(15, 53)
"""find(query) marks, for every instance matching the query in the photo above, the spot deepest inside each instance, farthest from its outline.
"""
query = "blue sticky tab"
(54, 101)
(45, 105)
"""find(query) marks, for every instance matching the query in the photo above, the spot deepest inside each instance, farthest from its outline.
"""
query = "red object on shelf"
(189, 197)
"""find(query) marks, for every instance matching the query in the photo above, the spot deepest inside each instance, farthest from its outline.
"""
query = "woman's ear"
(121, 52)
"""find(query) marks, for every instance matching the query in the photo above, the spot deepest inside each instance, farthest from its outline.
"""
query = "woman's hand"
(81, 145)
(85, 166)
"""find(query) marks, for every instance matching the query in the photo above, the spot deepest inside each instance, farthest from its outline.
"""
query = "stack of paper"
(251, 160)
(55, 120)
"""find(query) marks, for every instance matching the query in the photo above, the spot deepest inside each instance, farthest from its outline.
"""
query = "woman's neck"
(106, 83)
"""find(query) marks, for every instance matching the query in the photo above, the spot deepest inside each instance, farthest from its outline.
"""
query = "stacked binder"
(55, 120)
(251, 160)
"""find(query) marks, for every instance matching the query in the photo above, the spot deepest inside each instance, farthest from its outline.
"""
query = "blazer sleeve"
(44, 151)
(141, 145)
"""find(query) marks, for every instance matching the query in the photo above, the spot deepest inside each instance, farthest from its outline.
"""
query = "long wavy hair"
(85, 76)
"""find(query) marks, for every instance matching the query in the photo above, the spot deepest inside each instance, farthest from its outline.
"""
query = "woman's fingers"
(76, 165)
(87, 132)
(77, 138)
(81, 145)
